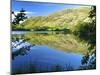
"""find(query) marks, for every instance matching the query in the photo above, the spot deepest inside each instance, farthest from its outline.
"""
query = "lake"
(36, 52)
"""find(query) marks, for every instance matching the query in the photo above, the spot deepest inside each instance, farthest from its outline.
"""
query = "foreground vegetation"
(33, 69)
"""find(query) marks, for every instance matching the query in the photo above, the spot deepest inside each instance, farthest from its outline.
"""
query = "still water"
(34, 52)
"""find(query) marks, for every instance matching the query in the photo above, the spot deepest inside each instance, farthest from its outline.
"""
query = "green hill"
(64, 19)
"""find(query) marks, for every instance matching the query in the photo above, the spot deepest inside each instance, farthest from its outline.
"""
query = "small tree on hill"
(21, 16)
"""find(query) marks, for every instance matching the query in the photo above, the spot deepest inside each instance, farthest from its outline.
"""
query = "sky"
(39, 9)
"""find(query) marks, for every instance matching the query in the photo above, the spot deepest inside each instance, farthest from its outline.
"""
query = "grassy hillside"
(64, 19)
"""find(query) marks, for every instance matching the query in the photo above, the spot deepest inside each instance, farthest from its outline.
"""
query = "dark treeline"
(87, 32)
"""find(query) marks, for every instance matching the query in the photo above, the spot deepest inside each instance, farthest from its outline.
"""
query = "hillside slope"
(63, 19)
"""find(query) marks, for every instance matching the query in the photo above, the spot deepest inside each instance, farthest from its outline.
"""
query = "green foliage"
(87, 32)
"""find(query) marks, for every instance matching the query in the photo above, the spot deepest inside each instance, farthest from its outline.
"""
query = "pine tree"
(21, 16)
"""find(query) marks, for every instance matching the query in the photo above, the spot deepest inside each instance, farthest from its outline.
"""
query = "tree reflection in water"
(20, 47)
(46, 56)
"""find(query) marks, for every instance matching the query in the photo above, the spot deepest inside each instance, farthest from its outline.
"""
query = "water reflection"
(44, 52)
(20, 47)
(56, 40)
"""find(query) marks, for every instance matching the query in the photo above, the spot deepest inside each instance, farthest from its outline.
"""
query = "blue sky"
(39, 9)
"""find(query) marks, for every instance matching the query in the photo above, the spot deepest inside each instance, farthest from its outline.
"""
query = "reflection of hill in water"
(43, 52)
(59, 41)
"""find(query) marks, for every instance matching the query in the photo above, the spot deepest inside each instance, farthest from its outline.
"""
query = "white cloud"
(12, 17)
(28, 12)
